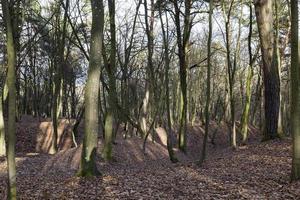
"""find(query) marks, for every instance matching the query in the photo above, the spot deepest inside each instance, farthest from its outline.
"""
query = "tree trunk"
(2, 127)
(73, 95)
(277, 62)
(111, 114)
(151, 97)
(208, 83)
(231, 69)
(167, 67)
(11, 84)
(16, 20)
(264, 17)
(91, 127)
(257, 99)
(295, 91)
(56, 101)
(182, 43)
(246, 111)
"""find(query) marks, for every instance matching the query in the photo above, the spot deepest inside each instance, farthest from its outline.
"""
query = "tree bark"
(208, 84)
(277, 62)
(57, 97)
(182, 43)
(11, 85)
(264, 17)
(2, 127)
(88, 165)
(231, 70)
(246, 111)
(111, 114)
(167, 67)
(295, 91)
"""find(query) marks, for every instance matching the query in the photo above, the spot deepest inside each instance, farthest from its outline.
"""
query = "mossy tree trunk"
(11, 85)
(88, 165)
(183, 45)
(111, 114)
(246, 111)
(208, 83)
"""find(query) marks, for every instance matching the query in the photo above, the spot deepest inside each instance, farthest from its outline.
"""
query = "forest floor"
(256, 171)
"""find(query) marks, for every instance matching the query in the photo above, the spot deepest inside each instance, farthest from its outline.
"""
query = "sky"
(126, 8)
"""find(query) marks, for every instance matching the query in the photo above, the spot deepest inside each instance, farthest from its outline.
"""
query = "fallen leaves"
(257, 171)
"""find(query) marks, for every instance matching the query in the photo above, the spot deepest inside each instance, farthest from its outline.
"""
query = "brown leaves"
(256, 171)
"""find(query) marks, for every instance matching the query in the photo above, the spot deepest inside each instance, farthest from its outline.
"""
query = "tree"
(246, 110)
(277, 62)
(89, 150)
(59, 65)
(3, 95)
(208, 82)
(111, 114)
(183, 45)
(295, 91)
(150, 97)
(264, 17)
(165, 33)
(11, 85)
(231, 66)
(129, 43)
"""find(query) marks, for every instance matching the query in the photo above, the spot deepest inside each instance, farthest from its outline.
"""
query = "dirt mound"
(125, 152)
(129, 151)
(34, 135)
(68, 160)
(64, 139)
(161, 136)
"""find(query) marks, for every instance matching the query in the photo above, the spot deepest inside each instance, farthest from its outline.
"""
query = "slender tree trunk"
(16, 19)
(151, 97)
(25, 95)
(89, 150)
(56, 101)
(277, 62)
(208, 83)
(32, 63)
(246, 112)
(182, 43)
(295, 91)
(111, 114)
(231, 68)
(73, 95)
(167, 67)
(11, 84)
(143, 120)
(2, 128)
(3, 97)
(257, 100)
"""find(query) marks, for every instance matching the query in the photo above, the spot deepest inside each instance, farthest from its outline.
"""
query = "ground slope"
(256, 171)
